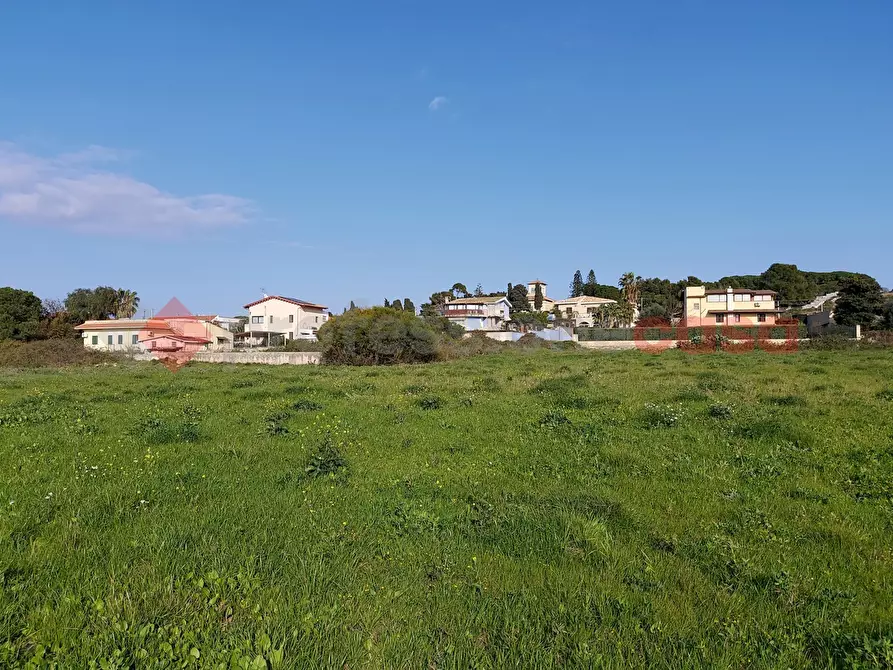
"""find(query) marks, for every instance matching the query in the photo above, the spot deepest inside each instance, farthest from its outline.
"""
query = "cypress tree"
(387, 303)
(397, 305)
(408, 306)
(576, 288)
(538, 297)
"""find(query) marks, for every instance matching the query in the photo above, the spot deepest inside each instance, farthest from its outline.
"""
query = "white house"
(483, 313)
(583, 310)
(288, 318)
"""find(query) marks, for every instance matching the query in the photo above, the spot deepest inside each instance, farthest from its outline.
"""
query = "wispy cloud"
(439, 102)
(71, 191)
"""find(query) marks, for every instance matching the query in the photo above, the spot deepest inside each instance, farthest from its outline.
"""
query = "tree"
(98, 304)
(590, 286)
(126, 304)
(377, 336)
(55, 322)
(396, 304)
(518, 298)
(888, 315)
(387, 303)
(629, 288)
(459, 290)
(788, 281)
(20, 313)
(508, 292)
(478, 291)
(538, 297)
(860, 301)
(352, 306)
(576, 287)
(408, 306)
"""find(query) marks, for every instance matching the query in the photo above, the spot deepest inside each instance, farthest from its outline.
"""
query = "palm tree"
(126, 304)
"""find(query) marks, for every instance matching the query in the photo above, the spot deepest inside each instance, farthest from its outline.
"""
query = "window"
(271, 318)
(743, 297)
(720, 318)
(135, 339)
(697, 306)
(761, 318)
(315, 319)
(291, 318)
(716, 297)
(120, 339)
(735, 318)
(111, 340)
(95, 339)
(257, 319)
(761, 298)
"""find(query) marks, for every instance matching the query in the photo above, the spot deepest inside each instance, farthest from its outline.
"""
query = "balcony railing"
(463, 312)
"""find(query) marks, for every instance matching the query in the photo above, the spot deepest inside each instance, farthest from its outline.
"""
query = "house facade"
(730, 306)
(287, 318)
(548, 303)
(172, 333)
(478, 313)
(583, 310)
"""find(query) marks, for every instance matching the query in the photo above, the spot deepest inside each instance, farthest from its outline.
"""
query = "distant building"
(730, 306)
(548, 302)
(287, 318)
(478, 313)
(162, 334)
(583, 310)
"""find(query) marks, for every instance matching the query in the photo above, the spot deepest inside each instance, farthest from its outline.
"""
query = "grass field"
(518, 510)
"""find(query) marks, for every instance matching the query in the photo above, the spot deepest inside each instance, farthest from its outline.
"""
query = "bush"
(301, 345)
(49, 353)
(377, 336)
(474, 345)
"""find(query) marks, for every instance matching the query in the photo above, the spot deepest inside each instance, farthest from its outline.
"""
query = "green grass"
(526, 509)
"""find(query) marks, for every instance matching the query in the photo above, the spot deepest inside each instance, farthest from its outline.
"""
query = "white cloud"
(69, 190)
(438, 102)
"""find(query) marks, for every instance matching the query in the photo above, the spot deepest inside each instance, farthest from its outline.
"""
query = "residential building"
(583, 310)
(287, 318)
(478, 313)
(168, 334)
(231, 323)
(730, 306)
(548, 303)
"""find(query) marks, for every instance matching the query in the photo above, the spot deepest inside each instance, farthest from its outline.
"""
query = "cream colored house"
(582, 310)
(135, 335)
(478, 313)
(288, 318)
(730, 306)
(548, 303)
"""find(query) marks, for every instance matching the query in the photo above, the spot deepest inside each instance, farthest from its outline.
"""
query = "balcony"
(461, 313)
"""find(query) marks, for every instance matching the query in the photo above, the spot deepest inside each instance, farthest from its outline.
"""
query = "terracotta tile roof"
(114, 324)
(294, 301)
(584, 300)
(179, 338)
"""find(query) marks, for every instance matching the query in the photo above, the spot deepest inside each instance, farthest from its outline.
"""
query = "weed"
(720, 411)
(553, 419)
(305, 405)
(430, 402)
(327, 461)
(662, 416)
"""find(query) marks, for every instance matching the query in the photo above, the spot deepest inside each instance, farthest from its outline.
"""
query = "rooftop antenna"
(263, 291)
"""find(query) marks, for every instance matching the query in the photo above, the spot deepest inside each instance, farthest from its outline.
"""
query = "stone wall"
(262, 357)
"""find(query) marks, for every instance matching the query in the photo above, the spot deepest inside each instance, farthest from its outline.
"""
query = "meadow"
(523, 509)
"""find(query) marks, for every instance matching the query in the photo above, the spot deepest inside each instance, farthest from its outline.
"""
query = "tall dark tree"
(397, 304)
(352, 306)
(590, 286)
(518, 298)
(538, 297)
(576, 287)
(459, 290)
(85, 304)
(408, 306)
(788, 281)
(478, 291)
(20, 313)
(387, 303)
(860, 302)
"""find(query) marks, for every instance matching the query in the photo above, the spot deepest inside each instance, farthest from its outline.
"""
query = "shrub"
(49, 353)
(301, 345)
(327, 461)
(475, 344)
(377, 336)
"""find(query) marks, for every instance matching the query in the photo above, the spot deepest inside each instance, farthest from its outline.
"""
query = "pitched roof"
(585, 299)
(180, 338)
(114, 324)
(294, 301)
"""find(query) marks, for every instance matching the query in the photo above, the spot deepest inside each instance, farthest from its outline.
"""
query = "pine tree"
(591, 285)
(408, 306)
(576, 288)
(518, 297)
(478, 291)
(538, 297)
(508, 292)
(352, 306)
(397, 305)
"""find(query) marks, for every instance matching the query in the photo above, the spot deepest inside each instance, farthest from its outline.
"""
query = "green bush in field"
(377, 336)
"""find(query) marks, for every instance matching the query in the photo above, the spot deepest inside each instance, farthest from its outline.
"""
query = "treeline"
(24, 316)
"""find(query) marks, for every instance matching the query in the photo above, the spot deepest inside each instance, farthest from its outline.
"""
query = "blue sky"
(362, 150)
